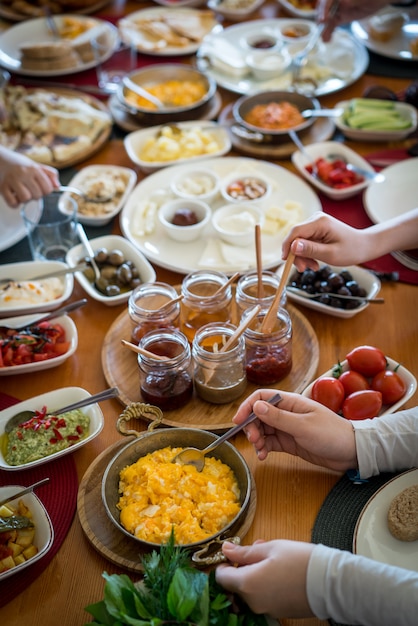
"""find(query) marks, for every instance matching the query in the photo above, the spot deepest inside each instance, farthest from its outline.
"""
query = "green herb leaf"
(184, 593)
(14, 522)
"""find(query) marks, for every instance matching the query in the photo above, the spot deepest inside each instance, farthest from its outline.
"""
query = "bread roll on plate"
(386, 26)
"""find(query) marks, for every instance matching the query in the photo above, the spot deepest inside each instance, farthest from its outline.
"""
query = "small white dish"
(235, 223)
(297, 9)
(296, 31)
(54, 400)
(268, 64)
(405, 110)
(245, 188)
(23, 271)
(366, 280)
(406, 375)
(234, 10)
(197, 184)
(111, 242)
(71, 335)
(122, 180)
(173, 152)
(324, 149)
(44, 531)
(184, 233)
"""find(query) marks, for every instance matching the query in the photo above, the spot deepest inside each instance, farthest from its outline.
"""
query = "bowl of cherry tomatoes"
(366, 384)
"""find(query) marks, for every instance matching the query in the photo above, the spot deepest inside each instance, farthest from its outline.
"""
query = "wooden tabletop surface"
(289, 491)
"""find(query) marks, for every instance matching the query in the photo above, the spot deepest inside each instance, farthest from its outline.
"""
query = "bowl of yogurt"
(235, 223)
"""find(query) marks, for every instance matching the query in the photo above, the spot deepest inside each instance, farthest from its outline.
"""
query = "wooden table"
(289, 491)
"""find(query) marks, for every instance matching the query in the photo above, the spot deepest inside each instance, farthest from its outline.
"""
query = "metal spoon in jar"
(196, 457)
(24, 416)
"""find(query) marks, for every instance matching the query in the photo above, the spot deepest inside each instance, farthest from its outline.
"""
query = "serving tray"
(103, 535)
(120, 368)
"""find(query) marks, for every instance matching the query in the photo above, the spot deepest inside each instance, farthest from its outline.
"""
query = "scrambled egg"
(158, 495)
(182, 143)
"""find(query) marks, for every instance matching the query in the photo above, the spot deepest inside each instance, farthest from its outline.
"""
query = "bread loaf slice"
(403, 515)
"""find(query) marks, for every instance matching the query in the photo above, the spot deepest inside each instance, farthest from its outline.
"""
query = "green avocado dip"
(44, 434)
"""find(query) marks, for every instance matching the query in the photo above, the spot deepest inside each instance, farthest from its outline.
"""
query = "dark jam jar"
(168, 382)
(145, 310)
(268, 356)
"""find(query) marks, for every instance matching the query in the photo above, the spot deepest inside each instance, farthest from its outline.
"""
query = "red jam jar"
(200, 304)
(268, 356)
(166, 383)
(145, 311)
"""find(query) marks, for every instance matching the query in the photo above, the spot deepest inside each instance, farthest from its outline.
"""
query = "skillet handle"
(138, 410)
(211, 553)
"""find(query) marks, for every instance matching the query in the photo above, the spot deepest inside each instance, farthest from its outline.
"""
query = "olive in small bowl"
(184, 220)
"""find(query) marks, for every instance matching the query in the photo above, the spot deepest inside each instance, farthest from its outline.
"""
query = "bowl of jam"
(184, 220)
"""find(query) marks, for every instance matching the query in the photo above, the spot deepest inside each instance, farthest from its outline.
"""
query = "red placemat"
(63, 480)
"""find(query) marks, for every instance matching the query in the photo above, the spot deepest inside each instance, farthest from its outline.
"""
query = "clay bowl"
(245, 104)
(157, 74)
(176, 437)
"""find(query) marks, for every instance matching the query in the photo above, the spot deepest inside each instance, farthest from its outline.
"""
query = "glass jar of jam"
(247, 297)
(219, 377)
(200, 304)
(268, 356)
(166, 383)
(144, 304)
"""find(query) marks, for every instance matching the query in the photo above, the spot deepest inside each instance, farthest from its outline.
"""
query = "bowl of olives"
(122, 268)
(334, 290)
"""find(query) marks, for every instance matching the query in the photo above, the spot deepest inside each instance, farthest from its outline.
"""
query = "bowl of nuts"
(122, 268)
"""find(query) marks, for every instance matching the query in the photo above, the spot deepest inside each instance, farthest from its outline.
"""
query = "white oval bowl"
(24, 271)
(231, 13)
(406, 110)
(146, 271)
(29, 368)
(406, 375)
(228, 180)
(366, 279)
(322, 149)
(44, 531)
(195, 177)
(240, 239)
(54, 400)
(184, 233)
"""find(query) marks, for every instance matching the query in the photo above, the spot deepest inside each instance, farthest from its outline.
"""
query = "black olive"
(353, 286)
(346, 276)
(343, 291)
(308, 277)
(324, 272)
(335, 281)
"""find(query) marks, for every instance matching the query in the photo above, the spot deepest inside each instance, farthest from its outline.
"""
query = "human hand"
(22, 179)
(270, 577)
(324, 238)
(348, 11)
(299, 426)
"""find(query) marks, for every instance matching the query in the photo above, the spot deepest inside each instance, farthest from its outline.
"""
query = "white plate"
(24, 271)
(44, 532)
(293, 10)
(147, 44)
(372, 537)
(12, 227)
(135, 141)
(396, 48)
(407, 111)
(36, 30)
(324, 149)
(107, 213)
(234, 14)
(111, 242)
(367, 280)
(410, 380)
(54, 400)
(184, 258)
(338, 64)
(396, 195)
(29, 368)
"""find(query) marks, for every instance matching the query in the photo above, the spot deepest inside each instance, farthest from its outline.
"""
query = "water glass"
(111, 67)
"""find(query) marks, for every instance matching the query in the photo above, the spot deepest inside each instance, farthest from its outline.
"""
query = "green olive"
(101, 255)
(116, 257)
(112, 290)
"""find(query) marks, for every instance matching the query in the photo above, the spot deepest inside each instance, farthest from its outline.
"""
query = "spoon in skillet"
(193, 456)
(24, 416)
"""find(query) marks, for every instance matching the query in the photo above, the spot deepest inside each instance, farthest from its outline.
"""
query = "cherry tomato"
(391, 386)
(362, 405)
(329, 392)
(366, 360)
(353, 381)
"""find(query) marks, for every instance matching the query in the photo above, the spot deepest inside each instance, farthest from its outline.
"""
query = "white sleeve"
(352, 589)
(388, 443)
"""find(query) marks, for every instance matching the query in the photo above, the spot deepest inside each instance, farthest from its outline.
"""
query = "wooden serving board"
(120, 368)
(104, 536)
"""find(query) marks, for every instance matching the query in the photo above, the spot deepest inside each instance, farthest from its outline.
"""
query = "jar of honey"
(145, 310)
(248, 295)
(166, 382)
(219, 377)
(268, 356)
(202, 302)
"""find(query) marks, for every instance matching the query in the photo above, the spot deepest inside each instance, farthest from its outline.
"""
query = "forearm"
(352, 589)
(399, 233)
(388, 443)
